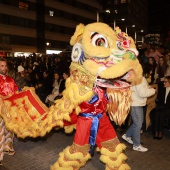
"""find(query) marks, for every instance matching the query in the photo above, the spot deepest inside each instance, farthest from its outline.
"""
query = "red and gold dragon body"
(104, 66)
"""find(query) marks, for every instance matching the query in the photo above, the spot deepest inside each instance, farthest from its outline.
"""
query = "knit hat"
(20, 68)
(35, 63)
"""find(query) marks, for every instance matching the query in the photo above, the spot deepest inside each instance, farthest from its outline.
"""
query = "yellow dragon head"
(106, 53)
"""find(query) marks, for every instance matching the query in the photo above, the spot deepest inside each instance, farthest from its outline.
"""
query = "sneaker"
(140, 148)
(127, 139)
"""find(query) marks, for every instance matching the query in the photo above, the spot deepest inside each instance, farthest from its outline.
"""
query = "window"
(5, 19)
(51, 13)
(5, 39)
(23, 5)
(123, 1)
(115, 1)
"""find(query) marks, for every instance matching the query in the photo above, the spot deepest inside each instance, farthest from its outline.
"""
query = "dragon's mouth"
(117, 83)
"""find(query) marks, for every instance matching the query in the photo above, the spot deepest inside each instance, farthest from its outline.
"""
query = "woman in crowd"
(55, 92)
(162, 109)
(62, 87)
(152, 62)
(162, 70)
(167, 58)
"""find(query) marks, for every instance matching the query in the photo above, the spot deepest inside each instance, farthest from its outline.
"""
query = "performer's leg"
(110, 147)
(76, 155)
(2, 140)
(9, 137)
(136, 113)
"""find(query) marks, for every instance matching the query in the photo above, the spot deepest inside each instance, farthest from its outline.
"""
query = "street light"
(98, 12)
(123, 19)
(132, 26)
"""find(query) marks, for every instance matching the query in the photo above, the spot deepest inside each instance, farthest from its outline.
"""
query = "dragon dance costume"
(100, 56)
(93, 128)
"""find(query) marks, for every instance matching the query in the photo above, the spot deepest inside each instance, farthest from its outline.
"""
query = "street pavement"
(41, 153)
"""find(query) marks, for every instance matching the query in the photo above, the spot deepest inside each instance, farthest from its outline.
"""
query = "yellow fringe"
(69, 129)
(68, 160)
(75, 156)
(98, 149)
(114, 160)
(120, 147)
(121, 158)
(57, 167)
(124, 167)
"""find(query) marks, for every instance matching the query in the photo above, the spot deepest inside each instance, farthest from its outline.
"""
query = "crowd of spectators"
(47, 73)
(158, 59)
(40, 73)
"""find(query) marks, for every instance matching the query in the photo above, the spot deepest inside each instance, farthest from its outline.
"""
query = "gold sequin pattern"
(77, 148)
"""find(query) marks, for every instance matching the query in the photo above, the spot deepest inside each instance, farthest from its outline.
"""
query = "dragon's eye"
(99, 40)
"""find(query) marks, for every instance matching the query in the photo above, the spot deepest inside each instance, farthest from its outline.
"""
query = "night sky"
(159, 16)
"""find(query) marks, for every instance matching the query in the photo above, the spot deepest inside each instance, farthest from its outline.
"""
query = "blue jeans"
(136, 113)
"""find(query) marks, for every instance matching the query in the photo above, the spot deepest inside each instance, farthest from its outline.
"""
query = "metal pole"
(135, 36)
(97, 16)
(142, 39)
(114, 24)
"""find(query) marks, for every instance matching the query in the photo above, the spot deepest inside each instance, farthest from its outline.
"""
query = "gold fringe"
(118, 150)
(69, 129)
(113, 163)
(114, 160)
(124, 167)
(119, 104)
(70, 160)
(56, 166)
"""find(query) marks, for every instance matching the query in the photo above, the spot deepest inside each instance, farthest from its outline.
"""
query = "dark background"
(159, 16)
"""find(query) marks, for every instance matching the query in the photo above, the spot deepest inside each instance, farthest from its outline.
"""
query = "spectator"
(167, 58)
(55, 92)
(152, 62)
(46, 85)
(143, 56)
(140, 93)
(162, 110)
(161, 71)
(155, 54)
(36, 67)
(147, 72)
(22, 78)
(31, 75)
(38, 85)
(62, 87)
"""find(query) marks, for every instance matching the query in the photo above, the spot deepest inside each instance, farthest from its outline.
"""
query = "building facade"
(131, 16)
(39, 25)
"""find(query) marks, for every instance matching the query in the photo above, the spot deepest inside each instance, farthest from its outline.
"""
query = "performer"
(94, 88)
(7, 87)
(104, 66)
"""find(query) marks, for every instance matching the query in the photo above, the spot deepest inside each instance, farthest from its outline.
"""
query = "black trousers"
(159, 119)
